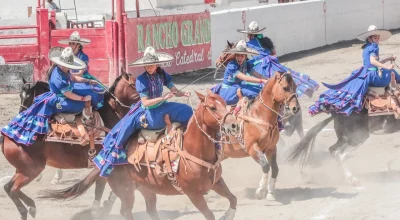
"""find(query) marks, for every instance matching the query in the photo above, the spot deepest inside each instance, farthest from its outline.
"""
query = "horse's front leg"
(274, 174)
(259, 156)
(57, 177)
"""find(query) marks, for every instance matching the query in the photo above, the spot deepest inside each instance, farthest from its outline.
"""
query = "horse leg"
(200, 203)
(341, 156)
(274, 174)
(98, 191)
(260, 158)
(298, 124)
(39, 178)
(151, 203)
(109, 203)
(123, 187)
(222, 189)
(13, 190)
(57, 177)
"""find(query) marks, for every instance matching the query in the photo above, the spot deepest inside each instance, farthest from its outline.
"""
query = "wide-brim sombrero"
(372, 30)
(151, 57)
(66, 59)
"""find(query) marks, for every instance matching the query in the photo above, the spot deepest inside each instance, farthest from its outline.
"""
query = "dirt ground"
(318, 192)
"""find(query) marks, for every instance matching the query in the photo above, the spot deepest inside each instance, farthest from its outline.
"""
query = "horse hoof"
(95, 211)
(261, 193)
(271, 197)
(107, 206)
(229, 215)
(32, 212)
(39, 178)
(55, 181)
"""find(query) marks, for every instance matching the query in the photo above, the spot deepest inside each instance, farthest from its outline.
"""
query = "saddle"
(85, 128)
(157, 149)
(383, 100)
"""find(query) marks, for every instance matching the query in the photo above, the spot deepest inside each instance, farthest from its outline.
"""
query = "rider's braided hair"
(365, 44)
(266, 42)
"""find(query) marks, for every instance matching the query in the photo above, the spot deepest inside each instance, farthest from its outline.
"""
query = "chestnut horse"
(199, 141)
(292, 123)
(31, 161)
(260, 132)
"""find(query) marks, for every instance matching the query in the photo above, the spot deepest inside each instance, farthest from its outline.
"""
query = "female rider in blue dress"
(267, 64)
(95, 91)
(347, 96)
(26, 126)
(148, 113)
(238, 75)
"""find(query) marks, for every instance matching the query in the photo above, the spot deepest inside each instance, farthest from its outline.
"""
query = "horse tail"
(303, 149)
(74, 191)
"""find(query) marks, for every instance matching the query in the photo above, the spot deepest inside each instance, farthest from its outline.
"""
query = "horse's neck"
(108, 114)
(196, 142)
(259, 110)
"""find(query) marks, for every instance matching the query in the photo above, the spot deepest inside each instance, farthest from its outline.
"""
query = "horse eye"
(286, 88)
(213, 109)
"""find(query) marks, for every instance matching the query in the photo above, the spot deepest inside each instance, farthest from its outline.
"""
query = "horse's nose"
(295, 109)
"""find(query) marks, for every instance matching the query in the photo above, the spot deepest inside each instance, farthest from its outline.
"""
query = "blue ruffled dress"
(347, 96)
(29, 124)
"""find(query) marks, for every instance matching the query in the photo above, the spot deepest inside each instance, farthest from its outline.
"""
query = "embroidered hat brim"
(248, 31)
(74, 64)
(245, 51)
(81, 41)
(148, 59)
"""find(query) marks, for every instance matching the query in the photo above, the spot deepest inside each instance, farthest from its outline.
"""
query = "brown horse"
(195, 181)
(31, 161)
(291, 124)
(27, 94)
(260, 132)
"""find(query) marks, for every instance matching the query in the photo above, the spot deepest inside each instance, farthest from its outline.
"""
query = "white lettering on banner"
(168, 64)
(186, 59)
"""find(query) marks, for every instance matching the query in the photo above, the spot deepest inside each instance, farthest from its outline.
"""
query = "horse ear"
(23, 80)
(229, 43)
(201, 96)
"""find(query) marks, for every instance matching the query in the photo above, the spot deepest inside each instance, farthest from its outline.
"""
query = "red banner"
(187, 37)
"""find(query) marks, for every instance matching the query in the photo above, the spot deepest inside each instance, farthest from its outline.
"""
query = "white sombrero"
(373, 30)
(241, 48)
(55, 52)
(151, 57)
(252, 29)
(75, 38)
(67, 59)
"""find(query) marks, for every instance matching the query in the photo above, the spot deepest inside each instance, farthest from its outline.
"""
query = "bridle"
(285, 102)
(220, 121)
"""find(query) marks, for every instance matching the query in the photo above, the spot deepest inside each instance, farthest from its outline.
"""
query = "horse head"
(29, 91)
(225, 58)
(122, 93)
(215, 114)
(283, 91)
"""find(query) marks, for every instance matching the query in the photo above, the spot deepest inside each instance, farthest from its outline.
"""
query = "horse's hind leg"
(222, 189)
(151, 203)
(201, 204)
(99, 189)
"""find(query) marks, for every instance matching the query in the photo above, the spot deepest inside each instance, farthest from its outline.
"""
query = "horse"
(199, 155)
(292, 123)
(31, 161)
(259, 128)
(351, 132)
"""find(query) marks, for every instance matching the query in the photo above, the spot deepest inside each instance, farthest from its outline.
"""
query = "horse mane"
(266, 42)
